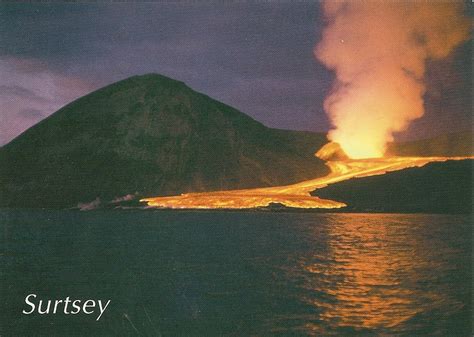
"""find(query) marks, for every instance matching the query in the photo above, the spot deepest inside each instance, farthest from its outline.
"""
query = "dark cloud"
(19, 93)
(15, 90)
(32, 113)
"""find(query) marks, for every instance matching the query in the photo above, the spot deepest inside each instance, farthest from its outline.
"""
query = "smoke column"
(378, 51)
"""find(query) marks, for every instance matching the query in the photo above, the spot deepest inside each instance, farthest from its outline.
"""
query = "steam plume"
(378, 51)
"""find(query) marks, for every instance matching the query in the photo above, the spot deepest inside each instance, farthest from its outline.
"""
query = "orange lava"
(295, 195)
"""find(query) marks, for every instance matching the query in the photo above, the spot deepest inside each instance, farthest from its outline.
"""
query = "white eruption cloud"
(378, 51)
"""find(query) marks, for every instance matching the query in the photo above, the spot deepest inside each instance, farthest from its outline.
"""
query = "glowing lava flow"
(296, 195)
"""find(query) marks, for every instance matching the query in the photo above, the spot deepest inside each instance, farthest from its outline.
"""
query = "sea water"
(238, 273)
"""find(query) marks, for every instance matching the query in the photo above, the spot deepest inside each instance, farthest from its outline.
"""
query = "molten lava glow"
(296, 195)
(363, 148)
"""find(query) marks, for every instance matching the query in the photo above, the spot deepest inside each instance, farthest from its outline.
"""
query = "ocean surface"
(238, 273)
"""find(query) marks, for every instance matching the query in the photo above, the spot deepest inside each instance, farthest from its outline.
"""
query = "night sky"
(255, 57)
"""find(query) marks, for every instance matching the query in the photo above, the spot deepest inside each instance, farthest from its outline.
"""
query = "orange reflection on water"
(377, 273)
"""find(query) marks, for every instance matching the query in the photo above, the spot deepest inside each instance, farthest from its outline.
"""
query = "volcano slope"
(446, 145)
(442, 187)
(149, 135)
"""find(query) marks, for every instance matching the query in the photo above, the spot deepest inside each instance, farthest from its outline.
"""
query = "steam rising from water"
(378, 52)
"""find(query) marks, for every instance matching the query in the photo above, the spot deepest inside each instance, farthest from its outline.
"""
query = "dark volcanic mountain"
(149, 135)
(451, 144)
(443, 187)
